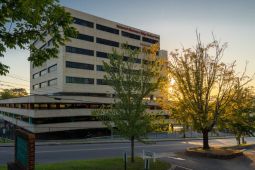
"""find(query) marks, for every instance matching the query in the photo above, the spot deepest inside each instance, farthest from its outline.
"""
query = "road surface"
(170, 151)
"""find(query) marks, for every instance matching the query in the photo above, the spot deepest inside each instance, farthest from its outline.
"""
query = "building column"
(30, 120)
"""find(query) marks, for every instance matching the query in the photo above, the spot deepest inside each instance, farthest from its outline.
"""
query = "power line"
(16, 75)
(6, 85)
(14, 83)
(17, 78)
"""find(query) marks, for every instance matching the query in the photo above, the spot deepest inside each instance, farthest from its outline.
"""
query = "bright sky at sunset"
(176, 21)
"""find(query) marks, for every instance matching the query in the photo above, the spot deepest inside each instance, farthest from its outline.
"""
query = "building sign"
(137, 31)
(24, 151)
(149, 155)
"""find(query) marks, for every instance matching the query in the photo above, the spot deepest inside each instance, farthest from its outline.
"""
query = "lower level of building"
(60, 117)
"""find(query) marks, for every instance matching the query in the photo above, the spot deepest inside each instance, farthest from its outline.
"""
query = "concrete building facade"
(78, 69)
(67, 89)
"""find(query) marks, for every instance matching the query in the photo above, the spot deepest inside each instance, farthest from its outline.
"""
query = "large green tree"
(24, 21)
(203, 85)
(132, 83)
(11, 93)
(240, 117)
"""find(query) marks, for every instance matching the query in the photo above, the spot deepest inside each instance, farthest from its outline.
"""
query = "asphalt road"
(170, 151)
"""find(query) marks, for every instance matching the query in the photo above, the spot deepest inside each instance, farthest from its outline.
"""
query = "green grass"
(2, 140)
(100, 164)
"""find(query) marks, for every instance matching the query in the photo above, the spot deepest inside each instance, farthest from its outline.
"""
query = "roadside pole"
(125, 160)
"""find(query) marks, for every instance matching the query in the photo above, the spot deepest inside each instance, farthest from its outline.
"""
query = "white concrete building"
(72, 85)
(78, 69)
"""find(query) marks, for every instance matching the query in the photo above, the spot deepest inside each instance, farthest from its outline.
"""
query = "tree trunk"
(238, 139)
(243, 141)
(132, 149)
(205, 140)
(184, 132)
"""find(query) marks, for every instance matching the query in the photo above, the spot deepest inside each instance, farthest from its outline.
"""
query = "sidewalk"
(101, 141)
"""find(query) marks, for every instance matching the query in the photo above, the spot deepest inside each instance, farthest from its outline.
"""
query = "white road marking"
(183, 167)
(176, 158)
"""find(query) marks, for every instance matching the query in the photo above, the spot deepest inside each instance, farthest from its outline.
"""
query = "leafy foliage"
(132, 83)
(11, 93)
(25, 21)
(240, 117)
(203, 86)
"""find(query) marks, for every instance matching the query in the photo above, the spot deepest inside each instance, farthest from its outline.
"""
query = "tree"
(11, 93)
(132, 83)
(203, 84)
(240, 118)
(24, 21)
(177, 113)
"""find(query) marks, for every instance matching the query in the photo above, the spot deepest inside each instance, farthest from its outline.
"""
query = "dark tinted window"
(83, 22)
(149, 40)
(101, 82)
(102, 54)
(36, 75)
(79, 51)
(43, 84)
(85, 37)
(107, 29)
(130, 35)
(100, 68)
(52, 68)
(107, 42)
(52, 82)
(85, 66)
(43, 72)
(50, 42)
(43, 46)
(36, 86)
(79, 80)
(132, 47)
(137, 60)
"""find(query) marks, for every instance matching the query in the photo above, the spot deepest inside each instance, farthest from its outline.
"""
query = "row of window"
(107, 42)
(98, 54)
(44, 84)
(85, 37)
(132, 47)
(86, 66)
(51, 120)
(130, 35)
(46, 45)
(83, 22)
(107, 29)
(81, 80)
(113, 30)
(77, 65)
(45, 71)
(149, 40)
(79, 51)
(52, 106)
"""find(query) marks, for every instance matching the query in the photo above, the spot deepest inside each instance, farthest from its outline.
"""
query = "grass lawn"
(100, 164)
(2, 140)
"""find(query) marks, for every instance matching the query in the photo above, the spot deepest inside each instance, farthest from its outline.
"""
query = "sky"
(176, 21)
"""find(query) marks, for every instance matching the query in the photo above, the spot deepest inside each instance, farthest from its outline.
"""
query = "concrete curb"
(228, 154)
(152, 141)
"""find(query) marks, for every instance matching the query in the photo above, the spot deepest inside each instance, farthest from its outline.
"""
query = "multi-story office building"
(68, 88)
